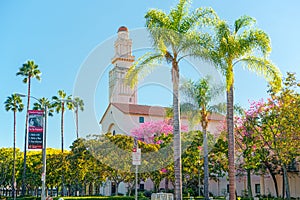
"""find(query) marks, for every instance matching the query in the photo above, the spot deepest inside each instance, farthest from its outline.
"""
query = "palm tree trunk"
(176, 129)
(206, 173)
(62, 149)
(76, 115)
(14, 161)
(25, 139)
(231, 165)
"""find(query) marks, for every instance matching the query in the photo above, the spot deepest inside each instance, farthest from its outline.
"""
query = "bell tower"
(119, 91)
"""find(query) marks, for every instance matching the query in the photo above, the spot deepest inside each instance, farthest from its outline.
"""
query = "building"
(123, 113)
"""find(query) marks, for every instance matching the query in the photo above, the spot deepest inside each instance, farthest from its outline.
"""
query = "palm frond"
(43, 102)
(265, 68)
(242, 22)
(178, 13)
(218, 108)
(254, 39)
(142, 67)
(201, 17)
(79, 103)
(157, 18)
(14, 103)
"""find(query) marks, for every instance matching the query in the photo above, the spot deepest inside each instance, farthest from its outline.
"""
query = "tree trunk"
(231, 165)
(25, 139)
(76, 115)
(117, 188)
(283, 186)
(62, 149)
(206, 172)
(286, 183)
(176, 132)
(166, 184)
(249, 188)
(273, 178)
(14, 160)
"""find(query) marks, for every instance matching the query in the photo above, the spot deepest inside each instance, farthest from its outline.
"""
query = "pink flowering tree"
(246, 145)
(150, 132)
(269, 133)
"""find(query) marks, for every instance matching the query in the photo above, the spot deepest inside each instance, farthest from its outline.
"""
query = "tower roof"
(123, 28)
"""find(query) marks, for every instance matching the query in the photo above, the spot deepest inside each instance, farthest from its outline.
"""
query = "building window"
(257, 188)
(142, 187)
(114, 132)
(141, 119)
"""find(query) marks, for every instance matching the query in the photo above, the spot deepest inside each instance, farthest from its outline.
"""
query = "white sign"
(136, 157)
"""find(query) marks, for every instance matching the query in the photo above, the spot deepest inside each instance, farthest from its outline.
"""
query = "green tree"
(14, 103)
(247, 45)
(78, 104)
(201, 96)
(62, 102)
(174, 38)
(276, 124)
(54, 168)
(29, 70)
(34, 170)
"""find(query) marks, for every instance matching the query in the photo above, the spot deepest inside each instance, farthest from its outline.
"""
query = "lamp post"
(43, 195)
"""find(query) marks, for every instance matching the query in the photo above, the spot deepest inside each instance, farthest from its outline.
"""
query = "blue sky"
(61, 35)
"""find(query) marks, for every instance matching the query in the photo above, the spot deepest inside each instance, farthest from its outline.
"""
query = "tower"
(119, 91)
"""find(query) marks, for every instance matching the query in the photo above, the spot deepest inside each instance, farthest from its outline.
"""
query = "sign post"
(136, 160)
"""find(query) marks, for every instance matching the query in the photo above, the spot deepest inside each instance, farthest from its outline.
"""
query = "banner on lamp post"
(35, 129)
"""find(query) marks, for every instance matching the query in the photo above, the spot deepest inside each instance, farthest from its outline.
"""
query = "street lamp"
(43, 195)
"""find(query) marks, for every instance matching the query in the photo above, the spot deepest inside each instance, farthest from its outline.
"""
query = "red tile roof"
(136, 109)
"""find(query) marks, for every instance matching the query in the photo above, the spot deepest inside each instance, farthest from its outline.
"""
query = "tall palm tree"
(200, 97)
(174, 37)
(15, 104)
(78, 104)
(29, 70)
(41, 105)
(59, 104)
(247, 45)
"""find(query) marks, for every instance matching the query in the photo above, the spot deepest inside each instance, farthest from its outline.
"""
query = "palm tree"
(174, 37)
(200, 96)
(247, 45)
(29, 70)
(59, 104)
(14, 103)
(78, 104)
(41, 105)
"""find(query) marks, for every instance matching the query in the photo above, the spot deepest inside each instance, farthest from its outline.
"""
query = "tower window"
(141, 119)
(114, 132)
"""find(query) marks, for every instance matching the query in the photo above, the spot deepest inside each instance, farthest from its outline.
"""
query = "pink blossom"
(149, 130)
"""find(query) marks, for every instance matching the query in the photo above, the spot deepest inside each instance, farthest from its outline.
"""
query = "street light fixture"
(43, 195)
